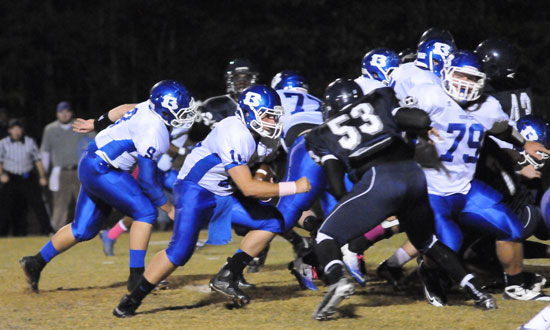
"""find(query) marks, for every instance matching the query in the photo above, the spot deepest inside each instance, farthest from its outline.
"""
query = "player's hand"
(530, 172)
(43, 181)
(4, 178)
(303, 185)
(433, 131)
(536, 150)
(83, 125)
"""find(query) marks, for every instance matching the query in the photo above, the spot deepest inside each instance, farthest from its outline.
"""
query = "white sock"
(399, 258)
(121, 224)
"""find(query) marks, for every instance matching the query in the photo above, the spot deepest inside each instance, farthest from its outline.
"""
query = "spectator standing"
(61, 147)
(21, 187)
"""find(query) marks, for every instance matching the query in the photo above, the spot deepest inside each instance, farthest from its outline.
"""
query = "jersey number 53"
(351, 137)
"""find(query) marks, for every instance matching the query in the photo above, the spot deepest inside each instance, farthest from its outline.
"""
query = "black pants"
(388, 189)
(16, 196)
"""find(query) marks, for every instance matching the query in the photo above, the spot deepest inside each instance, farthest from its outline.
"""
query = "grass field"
(80, 288)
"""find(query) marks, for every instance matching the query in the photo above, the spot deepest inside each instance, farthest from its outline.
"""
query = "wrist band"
(182, 151)
(287, 188)
(261, 171)
(102, 122)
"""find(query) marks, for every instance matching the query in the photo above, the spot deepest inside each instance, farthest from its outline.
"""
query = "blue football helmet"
(462, 77)
(432, 53)
(379, 64)
(173, 103)
(257, 104)
(533, 128)
(289, 80)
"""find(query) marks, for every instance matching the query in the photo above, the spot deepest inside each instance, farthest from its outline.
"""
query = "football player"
(203, 191)
(462, 115)
(137, 136)
(239, 75)
(362, 137)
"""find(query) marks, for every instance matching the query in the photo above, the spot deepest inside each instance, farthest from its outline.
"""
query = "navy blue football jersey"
(513, 96)
(359, 134)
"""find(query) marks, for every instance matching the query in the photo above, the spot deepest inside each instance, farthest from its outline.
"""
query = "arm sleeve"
(46, 146)
(147, 180)
(334, 170)
(2, 152)
(411, 119)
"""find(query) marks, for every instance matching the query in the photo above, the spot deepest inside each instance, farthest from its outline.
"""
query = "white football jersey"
(462, 132)
(299, 108)
(229, 144)
(407, 76)
(368, 84)
(139, 132)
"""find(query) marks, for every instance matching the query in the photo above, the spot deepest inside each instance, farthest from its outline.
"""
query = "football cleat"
(481, 299)
(32, 270)
(432, 286)
(243, 283)
(534, 281)
(343, 289)
(304, 274)
(225, 284)
(392, 275)
(353, 265)
(162, 285)
(126, 308)
(517, 292)
(108, 244)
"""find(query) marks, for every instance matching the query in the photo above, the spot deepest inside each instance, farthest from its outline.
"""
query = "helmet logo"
(530, 133)
(378, 60)
(252, 99)
(441, 49)
(169, 102)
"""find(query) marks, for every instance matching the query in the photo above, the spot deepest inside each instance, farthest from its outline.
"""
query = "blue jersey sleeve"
(148, 182)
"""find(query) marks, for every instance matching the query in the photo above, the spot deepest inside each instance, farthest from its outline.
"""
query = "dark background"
(98, 54)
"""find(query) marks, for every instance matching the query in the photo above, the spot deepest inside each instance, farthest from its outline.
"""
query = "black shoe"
(127, 307)
(225, 284)
(243, 283)
(134, 278)
(258, 262)
(392, 275)
(534, 281)
(432, 286)
(481, 299)
(32, 269)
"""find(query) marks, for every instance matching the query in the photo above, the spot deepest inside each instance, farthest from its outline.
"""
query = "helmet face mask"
(462, 78)
(260, 110)
(378, 64)
(172, 102)
(239, 75)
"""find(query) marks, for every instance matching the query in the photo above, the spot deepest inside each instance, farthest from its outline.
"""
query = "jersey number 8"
(351, 137)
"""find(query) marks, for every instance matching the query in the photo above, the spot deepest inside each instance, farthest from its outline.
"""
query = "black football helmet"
(407, 55)
(338, 95)
(499, 58)
(239, 75)
(439, 33)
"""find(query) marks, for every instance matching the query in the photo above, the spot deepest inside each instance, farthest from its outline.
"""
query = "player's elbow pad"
(412, 119)
(148, 182)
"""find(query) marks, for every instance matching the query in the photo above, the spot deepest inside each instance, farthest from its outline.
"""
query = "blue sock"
(137, 258)
(48, 252)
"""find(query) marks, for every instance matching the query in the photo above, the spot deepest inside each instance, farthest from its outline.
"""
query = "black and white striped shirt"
(18, 157)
